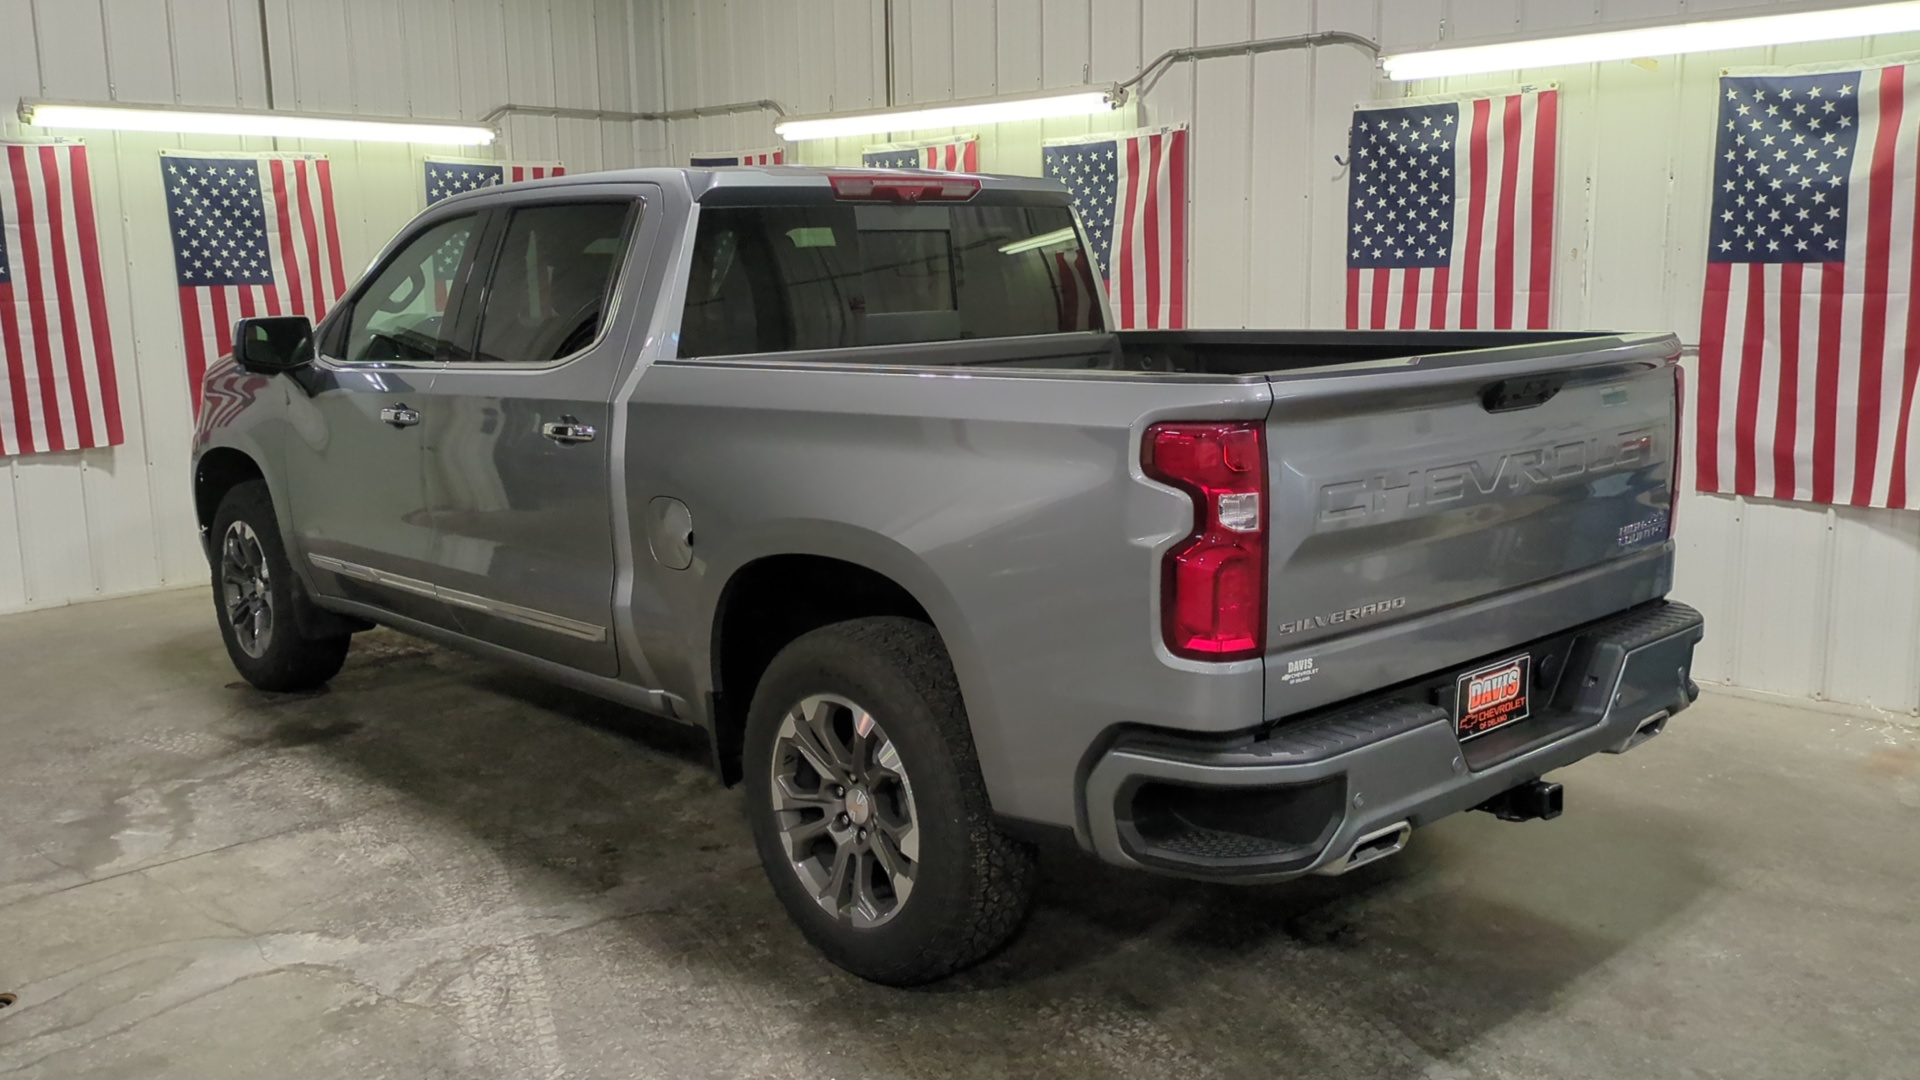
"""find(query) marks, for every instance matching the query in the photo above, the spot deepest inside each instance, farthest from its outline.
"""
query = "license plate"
(1493, 696)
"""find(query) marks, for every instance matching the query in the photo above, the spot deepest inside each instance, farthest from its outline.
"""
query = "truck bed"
(1214, 354)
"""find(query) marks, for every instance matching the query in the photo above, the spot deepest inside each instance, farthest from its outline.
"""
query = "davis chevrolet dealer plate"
(1493, 696)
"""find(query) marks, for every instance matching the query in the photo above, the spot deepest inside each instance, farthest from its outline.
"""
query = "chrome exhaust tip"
(1644, 730)
(1372, 847)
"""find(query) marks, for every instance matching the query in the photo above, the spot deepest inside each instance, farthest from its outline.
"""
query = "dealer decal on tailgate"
(1494, 696)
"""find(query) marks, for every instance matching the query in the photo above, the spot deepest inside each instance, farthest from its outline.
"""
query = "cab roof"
(698, 181)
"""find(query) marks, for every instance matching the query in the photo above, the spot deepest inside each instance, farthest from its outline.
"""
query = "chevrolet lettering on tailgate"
(1390, 494)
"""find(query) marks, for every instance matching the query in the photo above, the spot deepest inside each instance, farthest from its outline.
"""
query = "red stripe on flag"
(1873, 325)
(18, 439)
(1826, 380)
(1151, 229)
(1476, 216)
(22, 431)
(1509, 198)
(1410, 298)
(195, 342)
(288, 260)
(324, 170)
(221, 337)
(1177, 233)
(1377, 310)
(1897, 484)
(63, 277)
(972, 160)
(1069, 297)
(22, 392)
(1437, 315)
(1787, 398)
(1540, 261)
(29, 260)
(1123, 218)
(1713, 340)
(315, 283)
(96, 294)
(1353, 297)
(1746, 403)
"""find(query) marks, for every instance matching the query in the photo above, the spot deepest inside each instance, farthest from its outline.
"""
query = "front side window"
(402, 313)
(836, 275)
(551, 281)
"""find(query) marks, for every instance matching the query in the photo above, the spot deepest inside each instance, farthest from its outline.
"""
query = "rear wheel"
(868, 808)
(254, 593)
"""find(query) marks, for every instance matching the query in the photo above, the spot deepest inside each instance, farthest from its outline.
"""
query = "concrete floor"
(438, 870)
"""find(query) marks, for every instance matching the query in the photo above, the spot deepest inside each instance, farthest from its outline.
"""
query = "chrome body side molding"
(471, 601)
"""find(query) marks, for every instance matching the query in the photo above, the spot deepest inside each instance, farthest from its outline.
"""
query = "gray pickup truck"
(849, 469)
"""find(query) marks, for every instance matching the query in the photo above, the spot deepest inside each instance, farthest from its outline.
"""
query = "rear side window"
(777, 278)
(551, 281)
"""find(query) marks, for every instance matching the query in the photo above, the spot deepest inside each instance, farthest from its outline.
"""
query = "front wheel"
(868, 808)
(254, 597)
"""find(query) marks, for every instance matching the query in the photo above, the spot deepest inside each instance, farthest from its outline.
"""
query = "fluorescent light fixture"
(188, 120)
(999, 110)
(1657, 40)
(1034, 243)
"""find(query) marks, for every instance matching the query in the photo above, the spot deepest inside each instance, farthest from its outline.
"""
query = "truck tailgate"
(1396, 500)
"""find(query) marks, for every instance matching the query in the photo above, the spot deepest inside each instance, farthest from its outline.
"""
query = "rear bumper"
(1297, 798)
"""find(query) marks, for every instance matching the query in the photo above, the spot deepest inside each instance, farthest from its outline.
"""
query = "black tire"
(972, 886)
(288, 659)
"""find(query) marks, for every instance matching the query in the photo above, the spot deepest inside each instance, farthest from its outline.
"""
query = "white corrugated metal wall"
(1803, 600)
(103, 522)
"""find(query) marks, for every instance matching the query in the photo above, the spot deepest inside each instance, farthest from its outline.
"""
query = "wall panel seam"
(1818, 678)
(135, 353)
(39, 58)
(19, 530)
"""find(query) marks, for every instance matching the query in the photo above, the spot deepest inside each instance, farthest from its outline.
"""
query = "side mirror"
(270, 346)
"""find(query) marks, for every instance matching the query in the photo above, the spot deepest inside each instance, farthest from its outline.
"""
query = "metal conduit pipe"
(729, 109)
(1160, 63)
(1248, 48)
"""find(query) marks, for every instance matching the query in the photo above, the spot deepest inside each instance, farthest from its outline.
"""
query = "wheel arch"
(217, 471)
(773, 597)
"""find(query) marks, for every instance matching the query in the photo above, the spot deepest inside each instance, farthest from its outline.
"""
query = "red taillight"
(904, 189)
(1213, 584)
(1679, 444)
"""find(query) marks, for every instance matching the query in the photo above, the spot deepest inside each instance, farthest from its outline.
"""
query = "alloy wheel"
(246, 592)
(843, 804)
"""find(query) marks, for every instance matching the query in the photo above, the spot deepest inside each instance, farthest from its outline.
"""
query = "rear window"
(778, 278)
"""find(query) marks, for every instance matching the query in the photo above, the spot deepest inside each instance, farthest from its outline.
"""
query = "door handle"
(568, 430)
(399, 416)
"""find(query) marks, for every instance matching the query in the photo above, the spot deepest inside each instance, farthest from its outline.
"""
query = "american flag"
(1809, 337)
(1075, 297)
(253, 234)
(776, 156)
(450, 176)
(958, 153)
(55, 347)
(1130, 191)
(1450, 213)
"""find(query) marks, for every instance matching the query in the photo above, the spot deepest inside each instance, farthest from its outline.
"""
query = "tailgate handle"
(1510, 394)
